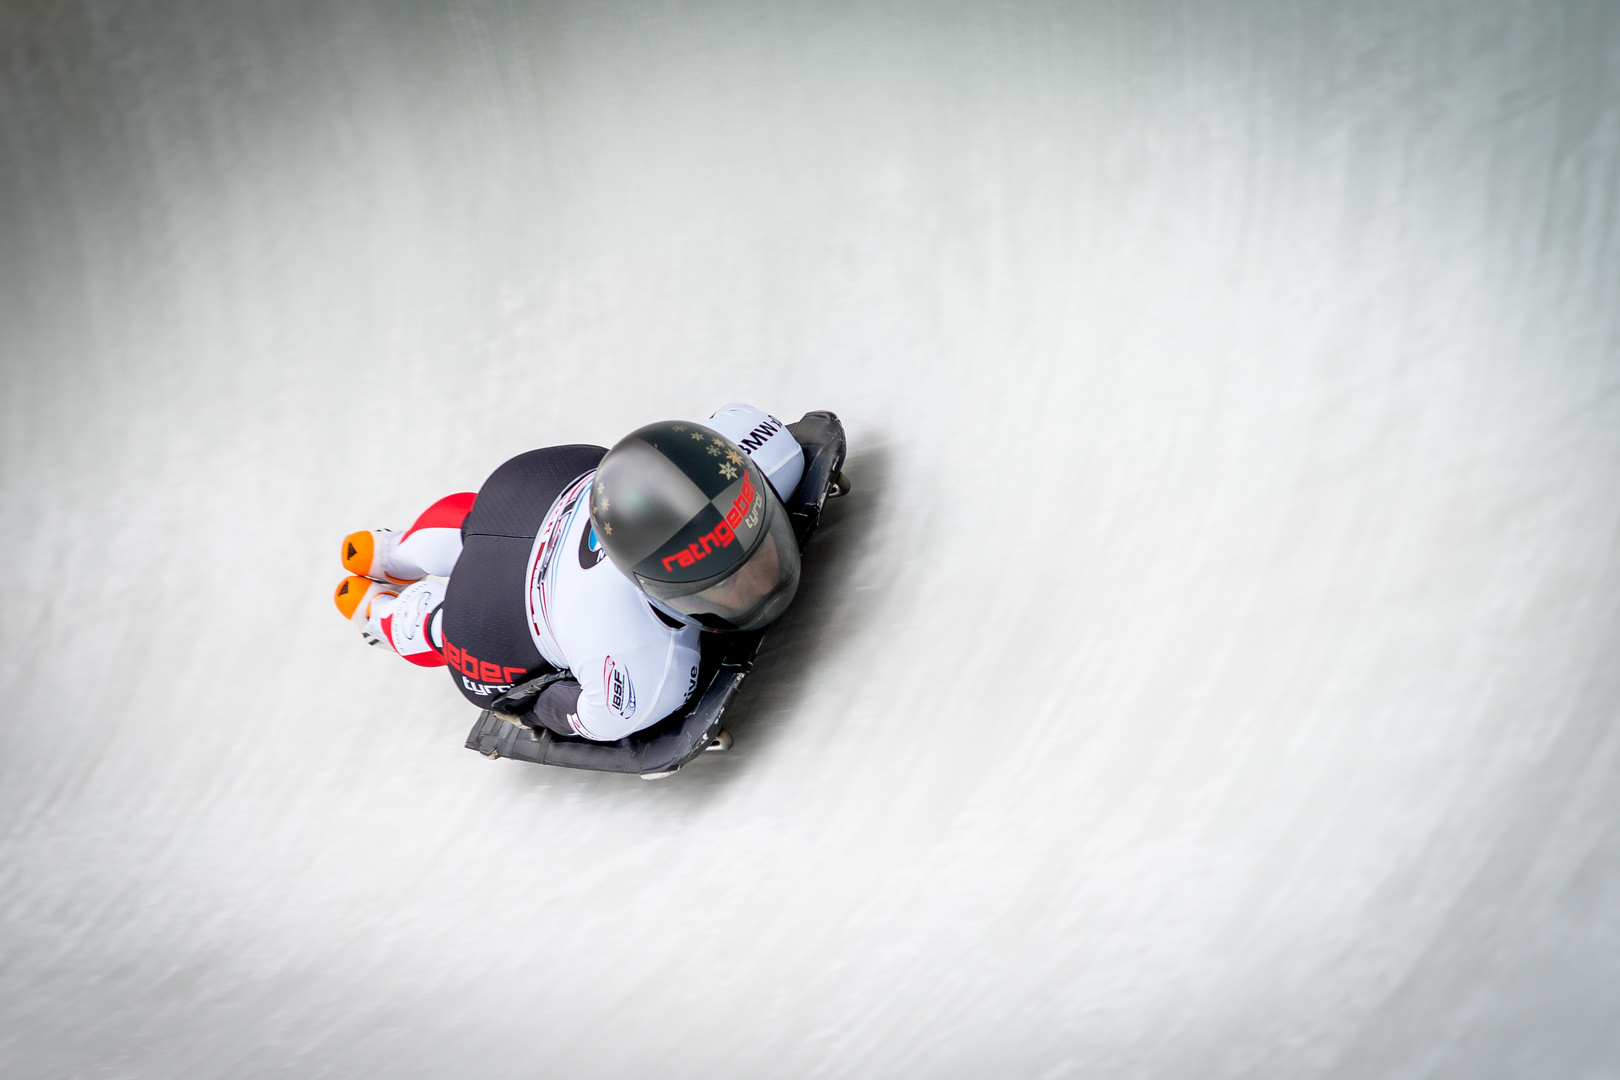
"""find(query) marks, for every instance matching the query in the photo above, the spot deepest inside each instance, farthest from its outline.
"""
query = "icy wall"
(1215, 672)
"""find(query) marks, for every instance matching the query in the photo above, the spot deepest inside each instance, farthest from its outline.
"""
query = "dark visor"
(751, 595)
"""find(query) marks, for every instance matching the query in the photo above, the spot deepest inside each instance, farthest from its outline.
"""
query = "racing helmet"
(689, 517)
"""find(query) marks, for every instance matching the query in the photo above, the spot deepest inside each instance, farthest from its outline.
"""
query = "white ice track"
(1215, 672)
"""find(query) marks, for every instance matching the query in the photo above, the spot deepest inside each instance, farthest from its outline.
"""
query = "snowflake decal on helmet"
(697, 436)
(714, 451)
(728, 471)
(734, 457)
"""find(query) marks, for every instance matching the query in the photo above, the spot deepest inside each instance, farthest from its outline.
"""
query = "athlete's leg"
(433, 542)
(430, 546)
(406, 620)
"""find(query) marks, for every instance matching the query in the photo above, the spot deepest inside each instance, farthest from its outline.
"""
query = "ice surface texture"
(1212, 674)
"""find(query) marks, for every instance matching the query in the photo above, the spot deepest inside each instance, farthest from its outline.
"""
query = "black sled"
(660, 750)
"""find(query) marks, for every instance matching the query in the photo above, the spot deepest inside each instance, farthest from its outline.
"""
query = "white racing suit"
(631, 664)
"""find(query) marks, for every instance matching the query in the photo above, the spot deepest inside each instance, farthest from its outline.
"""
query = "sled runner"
(661, 749)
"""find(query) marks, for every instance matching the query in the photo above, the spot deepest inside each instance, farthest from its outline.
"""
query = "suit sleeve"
(637, 688)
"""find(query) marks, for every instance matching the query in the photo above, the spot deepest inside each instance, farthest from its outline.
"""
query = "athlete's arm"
(766, 440)
(635, 688)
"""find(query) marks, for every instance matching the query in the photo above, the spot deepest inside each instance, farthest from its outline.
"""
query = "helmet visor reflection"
(753, 594)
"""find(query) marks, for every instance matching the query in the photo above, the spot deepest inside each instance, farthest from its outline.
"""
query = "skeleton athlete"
(516, 580)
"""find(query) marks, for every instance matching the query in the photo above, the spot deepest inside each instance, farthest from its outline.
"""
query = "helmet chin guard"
(687, 516)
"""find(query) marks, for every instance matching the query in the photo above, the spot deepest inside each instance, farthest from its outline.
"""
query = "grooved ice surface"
(1213, 673)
